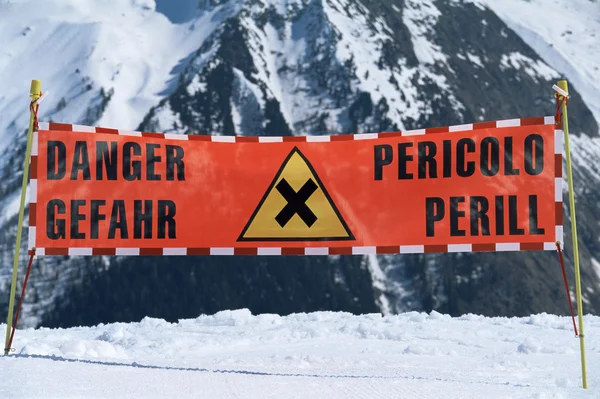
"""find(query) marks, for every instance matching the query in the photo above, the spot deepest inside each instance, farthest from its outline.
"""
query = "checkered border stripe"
(542, 120)
(349, 250)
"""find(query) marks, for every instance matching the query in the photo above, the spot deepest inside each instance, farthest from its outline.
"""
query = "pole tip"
(36, 87)
(563, 85)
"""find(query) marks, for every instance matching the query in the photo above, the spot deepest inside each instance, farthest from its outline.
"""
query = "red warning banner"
(490, 186)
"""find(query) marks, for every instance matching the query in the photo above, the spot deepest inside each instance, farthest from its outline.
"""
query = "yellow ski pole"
(35, 93)
(563, 98)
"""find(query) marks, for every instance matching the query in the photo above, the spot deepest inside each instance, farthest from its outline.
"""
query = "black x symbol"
(296, 202)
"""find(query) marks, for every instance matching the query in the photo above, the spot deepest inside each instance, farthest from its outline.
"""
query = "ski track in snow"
(234, 354)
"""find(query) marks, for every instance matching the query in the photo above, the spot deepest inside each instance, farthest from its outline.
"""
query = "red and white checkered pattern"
(543, 120)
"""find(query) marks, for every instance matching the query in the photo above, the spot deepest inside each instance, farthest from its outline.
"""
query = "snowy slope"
(234, 354)
(565, 33)
(76, 48)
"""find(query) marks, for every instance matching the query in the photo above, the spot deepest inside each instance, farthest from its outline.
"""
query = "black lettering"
(151, 160)
(447, 158)
(140, 217)
(454, 215)
(513, 220)
(81, 161)
(499, 215)
(427, 151)
(95, 217)
(490, 156)
(464, 168)
(166, 215)
(132, 170)
(383, 155)
(434, 212)
(533, 216)
(175, 157)
(508, 158)
(76, 217)
(478, 213)
(403, 159)
(55, 228)
(106, 159)
(531, 141)
(56, 160)
(118, 220)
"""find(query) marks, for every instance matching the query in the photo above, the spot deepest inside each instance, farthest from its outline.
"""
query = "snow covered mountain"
(283, 67)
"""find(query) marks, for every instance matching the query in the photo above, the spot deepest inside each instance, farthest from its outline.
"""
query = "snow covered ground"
(234, 354)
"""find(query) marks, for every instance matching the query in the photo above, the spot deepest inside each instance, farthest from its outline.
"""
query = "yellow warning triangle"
(296, 207)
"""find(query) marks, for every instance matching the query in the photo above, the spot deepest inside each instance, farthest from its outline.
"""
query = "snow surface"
(77, 48)
(585, 151)
(234, 354)
(535, 69)
(420, 16)
(379, 284)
